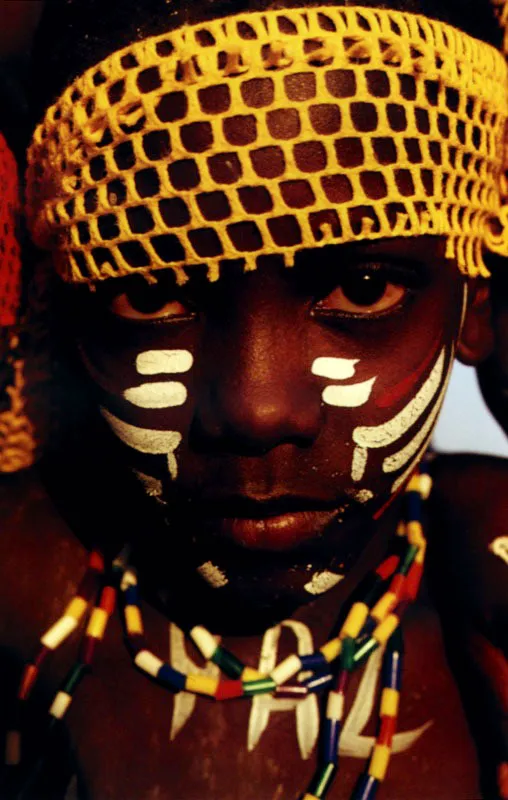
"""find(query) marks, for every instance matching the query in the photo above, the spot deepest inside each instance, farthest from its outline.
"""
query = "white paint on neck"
(214, 576)
(146, 440)
(499, 547)
(322, 582)
(161, 394)
(155, 362)
(337, 369)
(352, 396)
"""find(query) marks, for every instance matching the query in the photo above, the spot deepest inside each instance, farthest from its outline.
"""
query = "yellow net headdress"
(274, 132)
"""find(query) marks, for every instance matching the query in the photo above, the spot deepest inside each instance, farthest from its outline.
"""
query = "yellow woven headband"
(272, 133)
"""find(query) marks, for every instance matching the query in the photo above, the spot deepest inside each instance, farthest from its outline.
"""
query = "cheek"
(393, 411)
(143, 398)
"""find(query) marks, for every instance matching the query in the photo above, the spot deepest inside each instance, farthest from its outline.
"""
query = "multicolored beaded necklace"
(370, 623)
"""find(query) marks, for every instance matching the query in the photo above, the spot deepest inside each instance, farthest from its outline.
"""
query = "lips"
(276, 524)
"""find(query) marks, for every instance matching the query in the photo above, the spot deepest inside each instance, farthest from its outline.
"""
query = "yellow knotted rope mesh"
(271, 133)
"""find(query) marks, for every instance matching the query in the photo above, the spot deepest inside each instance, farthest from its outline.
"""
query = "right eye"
(148, 302)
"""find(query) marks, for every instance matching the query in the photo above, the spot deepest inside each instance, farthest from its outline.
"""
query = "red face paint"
(406, 386)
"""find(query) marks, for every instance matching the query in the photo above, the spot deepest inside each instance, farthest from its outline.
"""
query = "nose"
(257, 390)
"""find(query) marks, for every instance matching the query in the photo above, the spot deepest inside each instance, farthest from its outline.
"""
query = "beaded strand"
(370, 623)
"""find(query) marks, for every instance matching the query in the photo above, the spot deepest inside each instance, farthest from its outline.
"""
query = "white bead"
(286, 669)
(148, 662)
(59, 632)
(204, 641)
(335, 706)
(60, 705)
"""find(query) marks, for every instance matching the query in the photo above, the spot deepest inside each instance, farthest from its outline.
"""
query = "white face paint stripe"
(153, 486)
(388, 433)
(155, 362)
(359, 463)
(464, 308)
(163, 394)
(146, 440)
(322, 582)
(405, 475)
(337, 369)
(352, 396)
(400, 459)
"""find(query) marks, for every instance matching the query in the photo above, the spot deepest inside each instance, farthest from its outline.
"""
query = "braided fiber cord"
(273, 133)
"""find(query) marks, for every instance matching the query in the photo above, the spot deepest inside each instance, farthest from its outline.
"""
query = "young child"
(273, 221)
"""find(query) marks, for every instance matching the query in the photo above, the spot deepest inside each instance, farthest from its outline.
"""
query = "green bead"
(262, 686)
(364, 651)
(323, 780)
(74, 677)
(347, 653)
(410, 556)
(228, 663)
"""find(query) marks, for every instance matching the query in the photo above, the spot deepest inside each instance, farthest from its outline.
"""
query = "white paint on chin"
(152, 486)
(214, 576)
(155, 362)
(352, 396)
(161, 394)
(322, 582)
(146, 440)
(337, 369)
(363, 495)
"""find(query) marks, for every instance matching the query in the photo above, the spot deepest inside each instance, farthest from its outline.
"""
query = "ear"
(476, 340)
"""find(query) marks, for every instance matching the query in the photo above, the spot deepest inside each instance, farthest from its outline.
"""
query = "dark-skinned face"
(271, 414)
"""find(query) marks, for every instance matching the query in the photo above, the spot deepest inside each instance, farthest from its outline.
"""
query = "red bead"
(228, 689)
(388, 567)
(108, 598)
(413, 579)
(397, 584)
(27, 681)
(386, 731)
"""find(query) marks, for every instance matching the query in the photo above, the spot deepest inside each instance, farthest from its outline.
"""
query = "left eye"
(364, 292)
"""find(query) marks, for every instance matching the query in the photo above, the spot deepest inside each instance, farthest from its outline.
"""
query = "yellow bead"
(76, 608)
(414, 484)
(97, 623)
(355, 620)
(385, 629)
(331, 650)
(415, 533)
(401, 528)
(201, 684)
(379, 761)
(384, 605)
(420, 556)
(308, 796)
(133, 620)
(389, 703)
(250, 674)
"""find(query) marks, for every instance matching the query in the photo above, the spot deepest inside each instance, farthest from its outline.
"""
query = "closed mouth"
(274, 524)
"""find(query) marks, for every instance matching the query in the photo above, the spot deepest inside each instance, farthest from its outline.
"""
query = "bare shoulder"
(39, 560)
(468, 529)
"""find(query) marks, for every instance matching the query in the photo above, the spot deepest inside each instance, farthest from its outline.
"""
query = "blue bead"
(171, 678)
(366, 788)
(413, 506)
(330, 740)
(315, 662)
(131, 596)
(319, 683)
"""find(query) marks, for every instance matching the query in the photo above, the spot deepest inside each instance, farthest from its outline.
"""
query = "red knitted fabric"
(10, 260)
